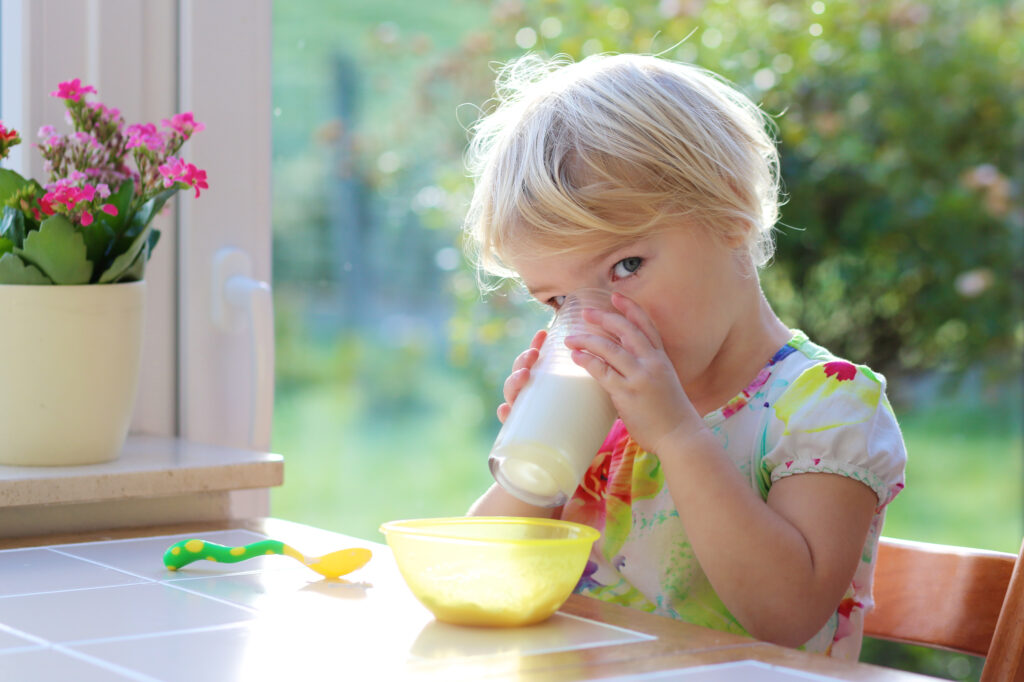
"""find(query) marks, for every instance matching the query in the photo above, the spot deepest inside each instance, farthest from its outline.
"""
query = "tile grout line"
(11, 630)
(145, 581)
(73, 589)
(100, 564)
(34, 643)
(155, 635)
(104, 664)
(178, 576)
(139, 578)
(43, 644)
(640, 635)
(197, 593)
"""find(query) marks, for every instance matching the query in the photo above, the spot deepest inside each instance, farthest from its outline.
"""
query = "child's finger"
(520, 374)
(595, 366)
(514, 384)
(525, 360)
(638, 316)
(615, 359)
(629, 336)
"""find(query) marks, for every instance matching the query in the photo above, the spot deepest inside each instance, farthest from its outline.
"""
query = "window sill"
(155, 480)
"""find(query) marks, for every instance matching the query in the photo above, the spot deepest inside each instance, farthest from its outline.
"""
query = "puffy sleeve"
(835, 418)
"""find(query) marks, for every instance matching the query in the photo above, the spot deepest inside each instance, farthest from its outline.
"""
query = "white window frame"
(152, 59)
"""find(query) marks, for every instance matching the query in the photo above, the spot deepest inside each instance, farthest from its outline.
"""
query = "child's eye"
(627, 266)
(556, 301)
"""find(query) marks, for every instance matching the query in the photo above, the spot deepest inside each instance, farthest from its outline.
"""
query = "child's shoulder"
(834, 417)
(808, 361)
(815, 380)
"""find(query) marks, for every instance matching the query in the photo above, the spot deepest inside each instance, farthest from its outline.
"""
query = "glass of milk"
(559, 419)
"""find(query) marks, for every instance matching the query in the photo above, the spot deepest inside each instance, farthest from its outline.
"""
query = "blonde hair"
(583, 155)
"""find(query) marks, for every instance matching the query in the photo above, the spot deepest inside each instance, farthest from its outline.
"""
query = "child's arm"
(497, 502)
(780, 567)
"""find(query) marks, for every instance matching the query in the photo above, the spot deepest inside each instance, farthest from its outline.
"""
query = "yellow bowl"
(490, 570)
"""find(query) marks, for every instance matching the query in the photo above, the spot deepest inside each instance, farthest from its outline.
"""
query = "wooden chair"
(955, 598)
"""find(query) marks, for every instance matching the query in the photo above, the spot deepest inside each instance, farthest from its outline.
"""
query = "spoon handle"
(185, 552)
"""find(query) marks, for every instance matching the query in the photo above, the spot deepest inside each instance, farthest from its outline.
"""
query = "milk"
(558, 421)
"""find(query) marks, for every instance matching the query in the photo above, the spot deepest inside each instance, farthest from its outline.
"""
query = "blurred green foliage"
(901, 128)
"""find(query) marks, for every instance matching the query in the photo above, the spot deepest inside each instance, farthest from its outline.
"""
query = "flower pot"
(69, 369)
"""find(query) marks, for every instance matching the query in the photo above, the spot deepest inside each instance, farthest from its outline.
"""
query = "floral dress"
(806, 411)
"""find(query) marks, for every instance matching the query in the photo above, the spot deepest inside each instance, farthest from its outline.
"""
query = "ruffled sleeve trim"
(816, 465)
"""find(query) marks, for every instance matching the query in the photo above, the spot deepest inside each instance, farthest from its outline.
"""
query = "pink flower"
(171, 170)
(45, 206)
(87, 218)
(198, 180)
(108, 113)
(67, 195)
(86, 139)
(184, 124)
(47, 131)
(72, 90)
(178, 170)
(145, 135)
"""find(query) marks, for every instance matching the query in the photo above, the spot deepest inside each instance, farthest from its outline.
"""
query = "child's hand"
(520, 374)
(636, 372)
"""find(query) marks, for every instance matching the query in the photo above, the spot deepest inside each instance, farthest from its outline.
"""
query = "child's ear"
(736, 234)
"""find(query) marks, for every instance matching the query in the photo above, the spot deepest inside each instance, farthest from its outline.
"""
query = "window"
(388, 362)
(151, 60)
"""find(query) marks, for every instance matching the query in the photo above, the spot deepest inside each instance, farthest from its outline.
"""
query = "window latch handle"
(241, 302)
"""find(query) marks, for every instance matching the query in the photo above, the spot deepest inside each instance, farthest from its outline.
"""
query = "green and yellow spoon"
(330, 565)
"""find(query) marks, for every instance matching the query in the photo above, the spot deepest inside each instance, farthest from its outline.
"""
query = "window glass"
(388, 366)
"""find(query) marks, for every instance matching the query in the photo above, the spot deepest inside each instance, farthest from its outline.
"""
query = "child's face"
(690, 283)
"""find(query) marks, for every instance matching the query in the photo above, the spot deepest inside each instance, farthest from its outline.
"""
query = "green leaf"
(14, 271)
(12, 226)
(149, 210)
(10, 182)
(59, 251)
(99, 237)
(121, 199)
(154, 237)
(103, 236)
(137, 270)
(139, 224)
(6, 246)
(125, 261)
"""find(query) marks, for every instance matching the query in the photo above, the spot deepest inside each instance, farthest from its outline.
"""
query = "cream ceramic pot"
(69, 369)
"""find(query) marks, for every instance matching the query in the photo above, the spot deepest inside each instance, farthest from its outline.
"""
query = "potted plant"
(73, 254)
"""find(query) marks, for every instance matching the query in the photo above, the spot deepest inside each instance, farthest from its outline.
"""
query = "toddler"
(744, 484)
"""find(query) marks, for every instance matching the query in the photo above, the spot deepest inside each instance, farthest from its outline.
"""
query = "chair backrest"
(955, 598)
